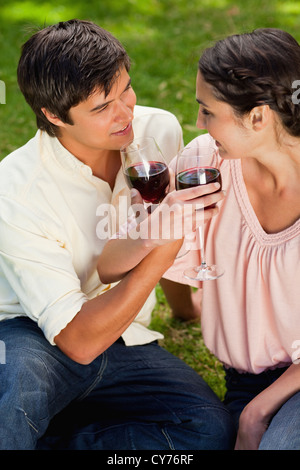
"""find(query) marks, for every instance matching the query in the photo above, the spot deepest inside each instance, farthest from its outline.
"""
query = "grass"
(164, 39)
(184, 339)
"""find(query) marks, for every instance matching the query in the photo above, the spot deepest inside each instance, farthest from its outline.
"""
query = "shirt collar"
(62, 155)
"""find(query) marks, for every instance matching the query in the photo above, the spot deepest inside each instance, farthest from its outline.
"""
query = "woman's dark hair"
(254, 69)
(63, 64)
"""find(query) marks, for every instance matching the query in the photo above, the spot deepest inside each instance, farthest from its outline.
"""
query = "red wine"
(198, 176)
(152, 184)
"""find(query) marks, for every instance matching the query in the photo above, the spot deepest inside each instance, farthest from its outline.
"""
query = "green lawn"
(164, 39)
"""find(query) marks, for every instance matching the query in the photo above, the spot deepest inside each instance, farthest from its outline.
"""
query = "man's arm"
(102, 320)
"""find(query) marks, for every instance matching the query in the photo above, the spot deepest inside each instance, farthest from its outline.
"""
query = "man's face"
(101, 122)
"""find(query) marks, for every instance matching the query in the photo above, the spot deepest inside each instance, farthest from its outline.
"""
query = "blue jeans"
(283, 432)
(138, 397)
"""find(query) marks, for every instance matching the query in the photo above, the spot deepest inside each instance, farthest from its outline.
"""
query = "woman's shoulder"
(203, 140)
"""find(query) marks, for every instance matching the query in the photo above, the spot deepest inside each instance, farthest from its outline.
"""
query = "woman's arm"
(185, 304)
(257, 415)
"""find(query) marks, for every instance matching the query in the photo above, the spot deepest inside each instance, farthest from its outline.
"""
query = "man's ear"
(52, 118)
(259, 117)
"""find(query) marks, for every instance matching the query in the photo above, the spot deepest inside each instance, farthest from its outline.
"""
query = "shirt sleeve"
(38, 269)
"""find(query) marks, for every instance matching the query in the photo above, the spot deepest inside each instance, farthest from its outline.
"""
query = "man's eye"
(103, 108)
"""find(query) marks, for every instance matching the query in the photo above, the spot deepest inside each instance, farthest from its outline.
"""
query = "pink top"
(251, 315)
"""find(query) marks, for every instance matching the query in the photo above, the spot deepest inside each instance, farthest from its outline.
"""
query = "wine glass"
(196, 166)
(145, 169)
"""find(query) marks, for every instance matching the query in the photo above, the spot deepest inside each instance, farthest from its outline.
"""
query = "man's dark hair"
(63, 64)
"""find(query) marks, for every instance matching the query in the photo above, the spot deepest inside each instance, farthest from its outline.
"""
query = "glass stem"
(202, 248)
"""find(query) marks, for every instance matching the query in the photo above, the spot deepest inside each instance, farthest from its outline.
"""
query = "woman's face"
(234, 137)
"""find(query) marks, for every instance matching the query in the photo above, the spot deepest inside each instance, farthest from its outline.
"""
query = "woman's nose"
(200, 121)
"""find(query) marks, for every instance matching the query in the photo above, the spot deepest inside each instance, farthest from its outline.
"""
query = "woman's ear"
(259, 117)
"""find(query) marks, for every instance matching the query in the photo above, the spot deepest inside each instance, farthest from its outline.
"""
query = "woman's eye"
(205, 112)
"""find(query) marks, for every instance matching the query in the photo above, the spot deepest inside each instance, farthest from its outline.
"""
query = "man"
(75, 348)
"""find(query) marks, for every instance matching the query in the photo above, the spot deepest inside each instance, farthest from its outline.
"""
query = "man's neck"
(104, 163)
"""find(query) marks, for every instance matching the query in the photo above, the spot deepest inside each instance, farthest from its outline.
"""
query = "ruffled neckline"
(250, 216)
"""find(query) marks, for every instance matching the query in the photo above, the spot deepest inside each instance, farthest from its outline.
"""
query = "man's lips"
(124, 130)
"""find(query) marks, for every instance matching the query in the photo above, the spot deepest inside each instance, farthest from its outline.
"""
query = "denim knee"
(24, 399)
(207, 427)
(284, 430)
(203, 428)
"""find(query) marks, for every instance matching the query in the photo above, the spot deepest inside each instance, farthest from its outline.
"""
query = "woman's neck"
(273, 185)
(278, 166)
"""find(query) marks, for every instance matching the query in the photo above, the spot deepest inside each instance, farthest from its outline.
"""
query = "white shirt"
(51, 231)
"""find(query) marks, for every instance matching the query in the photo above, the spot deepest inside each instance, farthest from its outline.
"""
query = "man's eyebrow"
(100, 106)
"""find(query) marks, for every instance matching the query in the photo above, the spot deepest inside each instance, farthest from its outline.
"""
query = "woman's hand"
(178, 215)
(257, 415)
(252, 425)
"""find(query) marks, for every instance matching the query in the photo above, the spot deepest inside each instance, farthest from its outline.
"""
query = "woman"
(250, 316)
